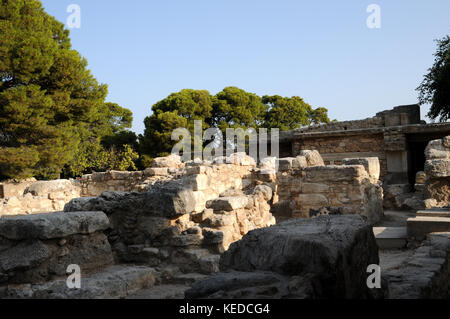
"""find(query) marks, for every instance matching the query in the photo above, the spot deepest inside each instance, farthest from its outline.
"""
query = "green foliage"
(52, 110)
(230, 108)
(177, 110)
(288, 113)
(95, 158)
(435, 88)
(320, 115)
(234, 107)
(120, 139)
(122, 159)
(157, 138)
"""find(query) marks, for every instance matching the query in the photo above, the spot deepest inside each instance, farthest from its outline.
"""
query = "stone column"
(397, 158)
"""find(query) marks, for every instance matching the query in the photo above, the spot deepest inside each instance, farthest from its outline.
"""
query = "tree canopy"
(435, 88)
(51, 107)
(230, 108)
(288, 113)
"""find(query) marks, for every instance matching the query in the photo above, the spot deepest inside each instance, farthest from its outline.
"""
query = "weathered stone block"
(200, 201)
(299, 162)
(312, 157)
(285, 164)
(313, 200)
(55, 225)
(47, 187)
(219, 220)
(168, 200)
(312, 188)
(421, 178)
(241, 159)
(437, 167)
(212, 236)
(437, 150)
(156, 171)
(200, 217)
(198, 182)
(371, 164)
(228, 203)
(172, 161)
(334, 173)
(319, 252)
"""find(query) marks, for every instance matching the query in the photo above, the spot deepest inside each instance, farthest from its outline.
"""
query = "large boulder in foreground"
(323, 257)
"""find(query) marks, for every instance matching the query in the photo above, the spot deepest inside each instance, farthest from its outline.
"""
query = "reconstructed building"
(397, 137)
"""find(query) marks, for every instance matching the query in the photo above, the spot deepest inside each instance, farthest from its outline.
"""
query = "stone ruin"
(161, 232)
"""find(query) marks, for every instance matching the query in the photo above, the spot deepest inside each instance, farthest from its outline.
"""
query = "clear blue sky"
(319, 50)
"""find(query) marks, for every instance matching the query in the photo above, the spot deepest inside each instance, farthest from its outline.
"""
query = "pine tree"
(50, 104)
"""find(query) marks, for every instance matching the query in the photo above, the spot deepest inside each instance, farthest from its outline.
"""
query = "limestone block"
(47, 187)
(421, 178)
(33, 260)
(299, 162)
(437, 168)
(321, 250)
(186, 240)
(219, 220)
(202, 216)
(264, 190)
(313, 158)
(335, 173)
(58, 205)
(195, 170)
(285, 164)
(437, 150)
(55, 225)
(446, 142)
(200, 201)
(371, 164)
(268, 163)
(241, 159)
(227, 203)
(13, 202)
(156, 171)
(212, 236)
(152, 227)
(120, 175)
(171, 199)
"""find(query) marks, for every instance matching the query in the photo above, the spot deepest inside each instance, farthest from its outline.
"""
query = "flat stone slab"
(420, 226)
(114, 282)
(52, 225)
(228, 203)
(390, 237)
(435, 212)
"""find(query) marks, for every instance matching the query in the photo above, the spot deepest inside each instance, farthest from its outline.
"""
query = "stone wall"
(400, 115)
(437, 170)
(39, 197)
(165, 227)
(334, 149)
(13, 188)
(301, 186)
(307, 190)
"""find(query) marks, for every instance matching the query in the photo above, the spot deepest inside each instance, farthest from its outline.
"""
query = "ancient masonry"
(397, 137)
(291, 227)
